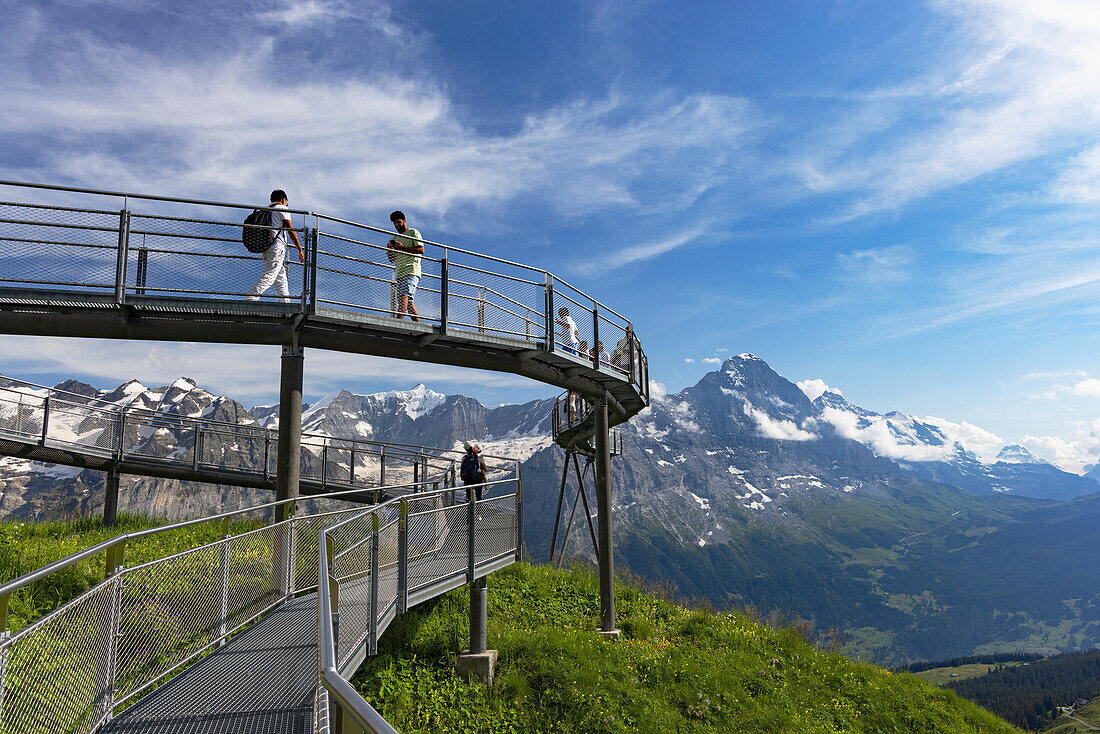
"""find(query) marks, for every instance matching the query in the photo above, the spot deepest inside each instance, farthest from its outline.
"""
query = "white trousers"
(274, 274)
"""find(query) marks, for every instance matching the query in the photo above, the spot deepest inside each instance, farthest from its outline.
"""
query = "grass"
(25, 547)
(673, 670)
(942, 676)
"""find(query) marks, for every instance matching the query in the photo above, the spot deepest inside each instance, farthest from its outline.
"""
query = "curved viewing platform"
(86, 263)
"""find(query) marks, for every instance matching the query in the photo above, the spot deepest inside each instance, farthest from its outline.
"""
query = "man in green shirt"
(405, 256)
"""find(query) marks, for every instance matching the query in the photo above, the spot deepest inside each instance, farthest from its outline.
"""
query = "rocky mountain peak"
(1017, 454)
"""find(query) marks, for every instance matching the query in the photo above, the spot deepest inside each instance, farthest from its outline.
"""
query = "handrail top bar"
(147, 197)
(451, 248)
(29, 578)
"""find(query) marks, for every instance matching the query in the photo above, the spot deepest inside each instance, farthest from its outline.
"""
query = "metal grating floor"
(261, 681)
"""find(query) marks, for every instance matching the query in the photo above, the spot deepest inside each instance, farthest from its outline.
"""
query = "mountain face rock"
(739, 489)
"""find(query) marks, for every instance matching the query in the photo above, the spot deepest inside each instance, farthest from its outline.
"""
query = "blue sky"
(899, 199)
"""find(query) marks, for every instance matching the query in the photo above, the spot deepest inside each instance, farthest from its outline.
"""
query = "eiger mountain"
(742, 490)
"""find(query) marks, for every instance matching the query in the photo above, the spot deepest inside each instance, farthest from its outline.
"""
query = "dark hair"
(394, 216)
(277, 195)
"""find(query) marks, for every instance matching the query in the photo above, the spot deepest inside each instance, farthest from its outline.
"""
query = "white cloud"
(1079, 182)
(815, 388)
(1019, 79)
(657, 391)
(206, 125)
(1071, 455)
(1089, 388)
(781, 429)
(689, 360)
(712, 360)
(984, 444)
(878, 436)
(878, 265)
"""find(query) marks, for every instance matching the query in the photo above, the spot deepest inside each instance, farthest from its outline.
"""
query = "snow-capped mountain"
(926, 449)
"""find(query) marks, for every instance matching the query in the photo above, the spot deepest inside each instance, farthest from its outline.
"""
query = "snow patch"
(704, 504)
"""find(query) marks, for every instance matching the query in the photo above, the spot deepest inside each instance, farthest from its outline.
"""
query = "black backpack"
(471, 468)
(261, 237)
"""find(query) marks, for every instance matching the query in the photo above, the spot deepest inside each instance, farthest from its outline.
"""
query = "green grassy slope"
(674, 670)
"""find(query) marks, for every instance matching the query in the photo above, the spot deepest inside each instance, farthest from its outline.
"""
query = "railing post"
(267, 454)
(481, 310)
(471, 533)
(374, 585)
(123, 255)
(45, 419)
(519, 512)
(120, 437)
(403, 558)
(324, 464)
(595, 336)
(313, 266)
(351, 467)
(549, 287)
(382, 468)
(196, 452)
(142, 269)
(630, 351)
(333, 590)
(444, 290)
(223, 597)
(110, 654)
(306, 241)
(416, 473)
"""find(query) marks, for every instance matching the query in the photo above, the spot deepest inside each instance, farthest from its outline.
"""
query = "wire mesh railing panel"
(613, 346)
(199, 259)
(574, 331)
(388, 558)
(21, 412)
(57, 675)
(230, 447)
(495, 527)
(88, 427)
(250, 563)
(357, 274)
(484, 301)
(168, 612)
(446, 554)
(307, 531)
(58, 247)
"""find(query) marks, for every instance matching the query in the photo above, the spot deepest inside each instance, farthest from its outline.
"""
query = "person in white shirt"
(274, 272)
(568, 333)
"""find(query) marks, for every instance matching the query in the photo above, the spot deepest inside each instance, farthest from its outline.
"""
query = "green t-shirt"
(405, 263)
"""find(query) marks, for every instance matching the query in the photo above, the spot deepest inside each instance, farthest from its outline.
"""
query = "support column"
(110, 498)
(288, 461)
(477, 663)
(605, 552)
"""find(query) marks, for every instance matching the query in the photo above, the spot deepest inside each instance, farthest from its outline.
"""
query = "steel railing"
(69, 670)
(382, 561)
(571, 410)
(92, 426)
(187, 249)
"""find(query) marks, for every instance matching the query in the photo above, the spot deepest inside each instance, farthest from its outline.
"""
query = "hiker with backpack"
(473, 469)
(267, 235)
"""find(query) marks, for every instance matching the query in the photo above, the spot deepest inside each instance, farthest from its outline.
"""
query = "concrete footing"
(478, 666)
(609, 634)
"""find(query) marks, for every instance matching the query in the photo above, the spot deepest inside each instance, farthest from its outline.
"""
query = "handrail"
(106, 406)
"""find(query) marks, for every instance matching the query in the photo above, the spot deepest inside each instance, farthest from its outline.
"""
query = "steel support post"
(519, 512)
(444, 289)
(549, 288)
(120, 264)
(374, 548)
(478, 615)
(605, 552)
(110, 498)
(223, 589)
(288, 461)
(471, 533)
(403, 559)
(45, 419)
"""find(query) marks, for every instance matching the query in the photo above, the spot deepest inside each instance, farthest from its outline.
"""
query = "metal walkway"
(83, 263)
(260, 630)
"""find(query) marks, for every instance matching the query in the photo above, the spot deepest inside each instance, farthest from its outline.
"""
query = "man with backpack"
(473, 468)
(273, 246)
